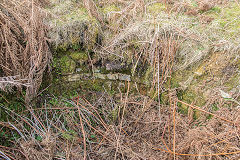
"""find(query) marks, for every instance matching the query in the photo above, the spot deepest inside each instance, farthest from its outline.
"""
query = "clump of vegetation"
(72, 26)
(24, 50)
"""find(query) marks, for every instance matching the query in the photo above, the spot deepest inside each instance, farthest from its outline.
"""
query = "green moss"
(176, 78)
(214, 10)
(182, 78)
(110, 8)
(194, 3)
(155, 8)
(62, 47)
(214, 107)
(233, 82)
(69, 135)
(114, 114)
(229, 20)
(79, 57)
(189, 96)
(148, 76)
(67, 65)
(164, 98)
(97, 85)
(153, 94)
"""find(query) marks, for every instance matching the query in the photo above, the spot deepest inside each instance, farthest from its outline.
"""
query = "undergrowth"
(104, 127)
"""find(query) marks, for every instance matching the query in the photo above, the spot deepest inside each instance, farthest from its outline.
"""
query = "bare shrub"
(24, 50)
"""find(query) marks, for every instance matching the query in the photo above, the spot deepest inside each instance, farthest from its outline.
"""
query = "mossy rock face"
(234, 82)
(198, 84)
(215, 63)
(84, 86)
(195, 49)
(67, 65)
(79, 57)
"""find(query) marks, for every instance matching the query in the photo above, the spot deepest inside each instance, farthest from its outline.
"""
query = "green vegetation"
(155, 8)
(79, 57)
(111, 8)
(228, 20)
(67, 65)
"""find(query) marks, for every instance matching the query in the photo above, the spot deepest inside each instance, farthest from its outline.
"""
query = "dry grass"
(73, 24)
(24, 53)
(73, 129)
(134, 25)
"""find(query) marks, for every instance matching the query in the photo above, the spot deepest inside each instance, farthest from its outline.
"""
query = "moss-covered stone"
(67, 65)
(148, 76)
(79, 57)
(233, 82)
(214, 63)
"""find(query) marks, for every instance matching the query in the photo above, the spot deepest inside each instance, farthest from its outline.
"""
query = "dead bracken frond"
(24, 50)
(7, 83)
(128, 127)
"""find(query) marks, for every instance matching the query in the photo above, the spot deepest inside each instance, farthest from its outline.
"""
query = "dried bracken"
(132, 128)
(24, 51)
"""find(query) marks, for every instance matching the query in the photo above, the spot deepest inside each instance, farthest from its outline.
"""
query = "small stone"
(79, 57)
(77, 77)
(100, 76)
(78, 69)
(124, 77)
(225, 94)
(74, 77)
(112, 76)
(96, 71)
(114, 66)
